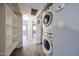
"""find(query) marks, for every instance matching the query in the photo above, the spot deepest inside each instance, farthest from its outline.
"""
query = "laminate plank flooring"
(29, 49)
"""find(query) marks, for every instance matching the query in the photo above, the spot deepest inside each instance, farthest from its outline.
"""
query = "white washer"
(47, 45)
(47, 41)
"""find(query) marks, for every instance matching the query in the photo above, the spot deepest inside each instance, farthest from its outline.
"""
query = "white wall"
(67, 37)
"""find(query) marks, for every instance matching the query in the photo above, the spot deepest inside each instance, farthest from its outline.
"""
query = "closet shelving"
(10, 29)
(13, 30)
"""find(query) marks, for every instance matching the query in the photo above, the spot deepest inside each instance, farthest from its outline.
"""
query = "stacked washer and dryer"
(47, 40)
(61, 30)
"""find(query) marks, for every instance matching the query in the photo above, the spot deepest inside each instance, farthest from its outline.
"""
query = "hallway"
(29, 49)
(23, 27)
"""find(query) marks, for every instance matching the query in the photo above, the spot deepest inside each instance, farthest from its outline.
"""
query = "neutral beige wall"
(2, 29)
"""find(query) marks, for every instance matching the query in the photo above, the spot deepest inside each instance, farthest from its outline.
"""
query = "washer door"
(47, 46)
(47, 19)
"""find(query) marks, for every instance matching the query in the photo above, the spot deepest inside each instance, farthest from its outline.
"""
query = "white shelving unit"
(13, 23)
(12, 28)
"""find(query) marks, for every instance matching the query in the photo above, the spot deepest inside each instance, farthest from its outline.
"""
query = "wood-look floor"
(29, 49)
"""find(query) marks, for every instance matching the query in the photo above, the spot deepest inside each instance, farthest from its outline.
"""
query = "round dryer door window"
(47, 45)
(47, 19)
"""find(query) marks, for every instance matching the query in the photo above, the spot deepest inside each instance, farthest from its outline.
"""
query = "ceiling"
(26, 7)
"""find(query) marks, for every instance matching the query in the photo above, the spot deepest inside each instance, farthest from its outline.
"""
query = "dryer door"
(47, 46)
(47, 19)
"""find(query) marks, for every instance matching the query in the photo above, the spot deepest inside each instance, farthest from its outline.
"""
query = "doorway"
(25, 31)
(34, 31)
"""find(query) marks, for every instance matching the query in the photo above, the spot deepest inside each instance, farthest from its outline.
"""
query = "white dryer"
(48, 20)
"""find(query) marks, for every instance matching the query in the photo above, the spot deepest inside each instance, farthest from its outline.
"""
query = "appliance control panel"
(60, 7)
